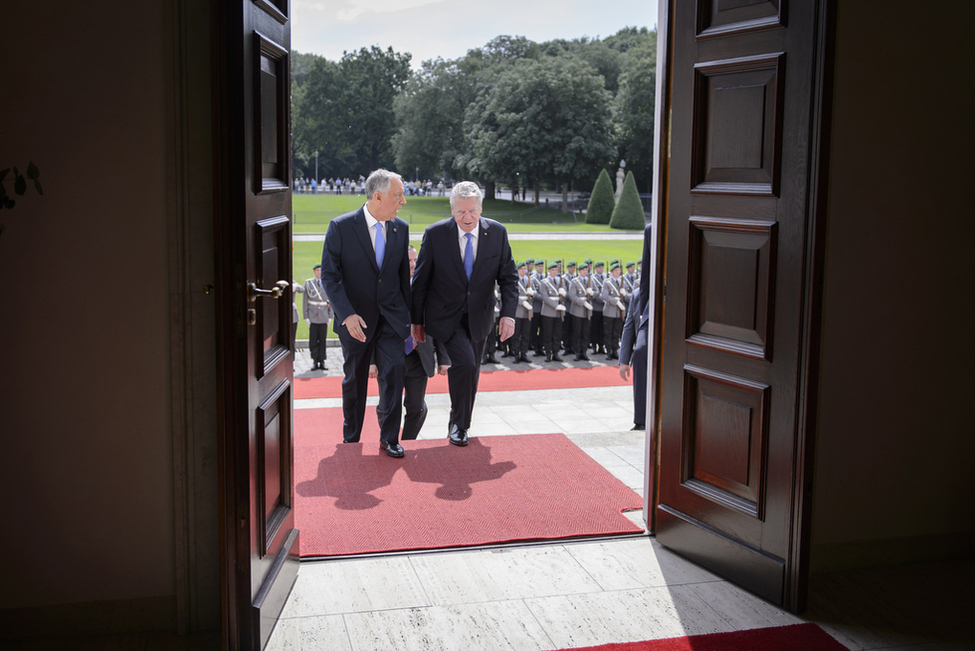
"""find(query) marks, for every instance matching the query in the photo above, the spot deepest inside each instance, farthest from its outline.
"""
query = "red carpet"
(351, 499)
(799, 637)
(538, 378)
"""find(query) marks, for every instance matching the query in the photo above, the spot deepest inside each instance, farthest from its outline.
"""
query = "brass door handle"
(254, 292)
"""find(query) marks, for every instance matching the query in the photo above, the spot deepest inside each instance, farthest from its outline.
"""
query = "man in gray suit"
(318, 313)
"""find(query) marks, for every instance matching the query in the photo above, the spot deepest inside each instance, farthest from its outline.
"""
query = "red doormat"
(536, 378)
(798, 637)
(353, 499)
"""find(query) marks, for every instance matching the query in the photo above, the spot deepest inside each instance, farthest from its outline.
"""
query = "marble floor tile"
(635, 455)
(632, 477)
(605, 457)
(500, 574)
(636, 563)
(310, 634)
(624, 616)
(741, 609)
(492, 626)
(347, 586)
(570, 425)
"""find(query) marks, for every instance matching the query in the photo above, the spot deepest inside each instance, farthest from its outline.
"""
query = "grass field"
(313, 212)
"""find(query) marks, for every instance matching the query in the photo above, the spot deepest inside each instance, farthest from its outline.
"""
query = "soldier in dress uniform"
(596, 280)
(491, 345)
(523, 315)
(318, 313)
(580, 308)
(538, 275)
(629, 281)
(613, 312)
(552, 311)
(567, 278)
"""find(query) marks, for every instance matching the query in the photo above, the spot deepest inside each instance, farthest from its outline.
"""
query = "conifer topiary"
(628, 213)
(602, 200)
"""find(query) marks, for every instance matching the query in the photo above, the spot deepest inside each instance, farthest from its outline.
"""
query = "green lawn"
(313, 212)
(307, 254)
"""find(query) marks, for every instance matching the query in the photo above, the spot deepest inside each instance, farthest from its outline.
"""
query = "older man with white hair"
(453, 295)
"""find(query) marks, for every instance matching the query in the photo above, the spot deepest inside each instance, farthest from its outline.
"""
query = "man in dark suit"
(423, 359)
(453, 295)
(633, 354)
(366, 271)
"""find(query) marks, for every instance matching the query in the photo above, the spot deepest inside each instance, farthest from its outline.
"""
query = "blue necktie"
(469, 256)
(380, 244)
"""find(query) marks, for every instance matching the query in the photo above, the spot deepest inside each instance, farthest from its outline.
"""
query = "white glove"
(588, 305)
(619, 304)
(526, 305)
(560, 308)
(588, 291)
(561, 291)
(530, 291)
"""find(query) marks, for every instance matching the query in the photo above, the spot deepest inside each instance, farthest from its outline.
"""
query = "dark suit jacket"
(353, 282)
(430, 360)
(441, 291)
(637, 320)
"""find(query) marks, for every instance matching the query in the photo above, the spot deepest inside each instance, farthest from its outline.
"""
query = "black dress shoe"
(516, 359)
(537, 353)
(458, 436)
(395, 450)
(555, 358)
(584, 357)
(524, 358)
(490, 359)
(638, 428)
(548, 358)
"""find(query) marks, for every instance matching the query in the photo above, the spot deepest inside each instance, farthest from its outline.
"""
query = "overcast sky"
(449, 28)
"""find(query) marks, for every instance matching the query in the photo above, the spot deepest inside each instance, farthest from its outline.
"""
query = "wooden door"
(741, 267)
(253, 242)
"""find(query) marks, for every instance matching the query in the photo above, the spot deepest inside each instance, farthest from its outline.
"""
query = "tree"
(602, 200)
(545, 119)
(344, 110)
(430, 117)
(628, 213)
(634, 107)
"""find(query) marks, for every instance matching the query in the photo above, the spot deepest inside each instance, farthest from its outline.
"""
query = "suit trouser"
(519, 343)
(580, 334)
(536, 331)
(612, 330)
(389, 355)
(414, 397)
(317, 336)
(551, 334)
(596, 329)
(639, 367)
(462, 376)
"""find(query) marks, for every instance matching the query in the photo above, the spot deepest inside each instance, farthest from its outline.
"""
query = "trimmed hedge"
(628, 213)
(602, 201)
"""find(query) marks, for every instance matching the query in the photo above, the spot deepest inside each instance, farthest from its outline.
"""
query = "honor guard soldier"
(596, 280)
(318, 313)
(523, 315)
(552, 311)
(538, 275)
(580, 308)
(613, 312)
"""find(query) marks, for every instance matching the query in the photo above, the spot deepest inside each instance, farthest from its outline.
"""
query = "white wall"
(895, 441)
(86, 465)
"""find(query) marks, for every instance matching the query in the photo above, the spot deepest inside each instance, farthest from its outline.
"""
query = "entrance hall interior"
(107, 372)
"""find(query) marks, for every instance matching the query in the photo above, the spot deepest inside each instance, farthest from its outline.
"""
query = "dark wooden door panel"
(730, 436)
(254, 239)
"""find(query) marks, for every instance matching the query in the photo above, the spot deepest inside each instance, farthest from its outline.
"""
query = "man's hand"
(587, 305)
(506, 327)
(442, 369)
(562, 292)
(560, 308)
(418, 333)
(355, 324)
(526, 305)
(373, 371)
(625, 372)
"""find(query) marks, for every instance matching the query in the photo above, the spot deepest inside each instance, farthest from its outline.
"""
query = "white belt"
(316, 303)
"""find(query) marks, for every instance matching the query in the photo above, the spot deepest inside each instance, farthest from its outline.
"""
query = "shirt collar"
(461, 233)
(370, 220)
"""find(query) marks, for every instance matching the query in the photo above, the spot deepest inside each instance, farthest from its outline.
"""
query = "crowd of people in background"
(349, 185)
